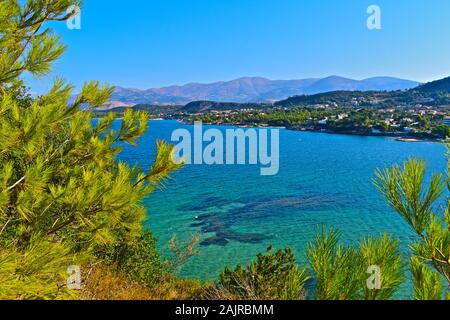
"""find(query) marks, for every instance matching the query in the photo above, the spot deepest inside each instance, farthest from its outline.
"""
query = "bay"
(324, 179)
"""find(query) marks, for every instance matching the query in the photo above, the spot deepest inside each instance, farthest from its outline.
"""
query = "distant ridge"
(253, 90)
(442, 85)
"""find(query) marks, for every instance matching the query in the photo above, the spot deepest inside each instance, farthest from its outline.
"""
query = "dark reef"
(221, 222)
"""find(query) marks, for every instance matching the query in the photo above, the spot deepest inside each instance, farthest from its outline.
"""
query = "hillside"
(433, 93)
(205, 106)
(442, 85)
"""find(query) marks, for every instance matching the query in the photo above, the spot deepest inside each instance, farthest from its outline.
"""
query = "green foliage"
(271, 276)
(39, 272)
(60, 182)
(139, 259)
(405, 191)
(340, 271)
(427, 283)
(384, 253)
(442, 130)
(26, 45)
(60, 174)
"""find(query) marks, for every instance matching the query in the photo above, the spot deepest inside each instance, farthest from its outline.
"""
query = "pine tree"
(63, 194)
(341, 271)
(405, 189)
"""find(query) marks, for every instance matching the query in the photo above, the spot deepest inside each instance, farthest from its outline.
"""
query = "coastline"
(397, 137)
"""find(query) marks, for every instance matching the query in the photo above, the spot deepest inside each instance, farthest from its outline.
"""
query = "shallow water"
(323, 179)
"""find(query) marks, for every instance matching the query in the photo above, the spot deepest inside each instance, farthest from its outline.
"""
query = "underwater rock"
(253, 208)
(218, 241)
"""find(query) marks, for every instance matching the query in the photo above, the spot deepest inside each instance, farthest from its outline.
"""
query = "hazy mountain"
(253, 89)
(335, 83)
(387, 84)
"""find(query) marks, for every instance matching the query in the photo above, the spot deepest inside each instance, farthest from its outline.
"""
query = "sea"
(323, 180)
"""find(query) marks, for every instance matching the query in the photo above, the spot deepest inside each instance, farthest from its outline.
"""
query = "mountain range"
(251, 89)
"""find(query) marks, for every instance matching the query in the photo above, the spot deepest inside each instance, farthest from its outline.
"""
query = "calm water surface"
(323, 179)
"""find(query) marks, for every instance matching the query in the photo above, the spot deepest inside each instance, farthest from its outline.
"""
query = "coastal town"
(407, 123)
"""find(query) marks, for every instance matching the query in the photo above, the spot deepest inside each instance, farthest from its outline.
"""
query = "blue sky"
(152, 43)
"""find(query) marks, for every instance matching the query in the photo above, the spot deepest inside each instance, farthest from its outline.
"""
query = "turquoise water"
(323, 179)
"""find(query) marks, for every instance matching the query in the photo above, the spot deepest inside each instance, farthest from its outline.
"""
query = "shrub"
(271, 276)
(105, 283)
(140, 260)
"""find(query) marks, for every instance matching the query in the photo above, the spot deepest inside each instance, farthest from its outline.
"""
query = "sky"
(153, 43)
